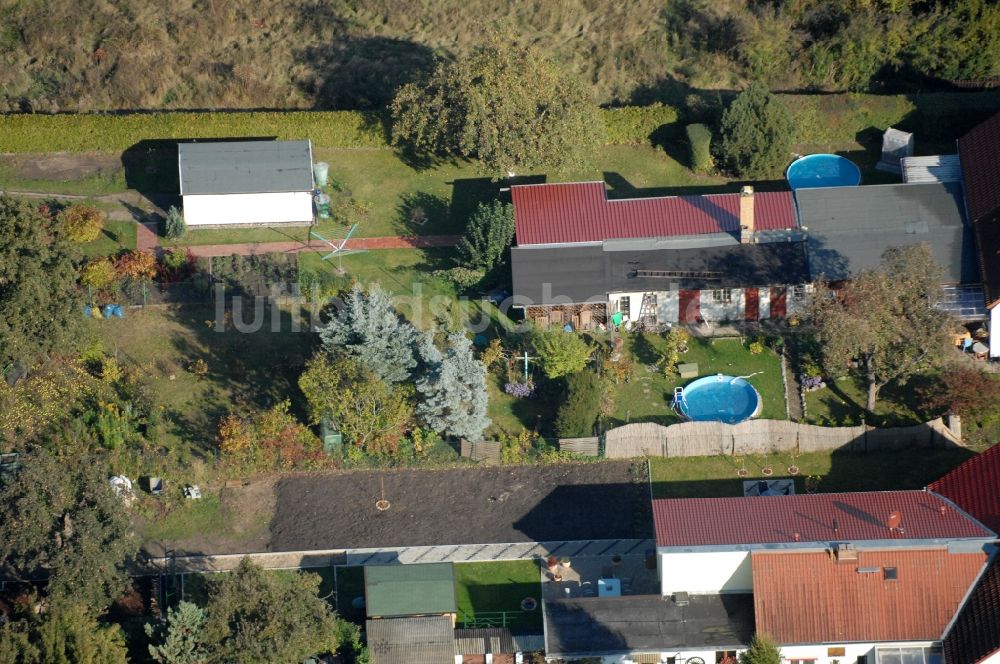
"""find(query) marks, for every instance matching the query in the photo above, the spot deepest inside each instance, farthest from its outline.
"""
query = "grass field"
(647, 397)
(482, 589)
(842, 403)
(716, 476)
(115, 236)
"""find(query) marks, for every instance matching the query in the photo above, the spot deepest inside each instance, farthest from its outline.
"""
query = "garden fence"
(486, 451)
(589, 446)
(767, 436)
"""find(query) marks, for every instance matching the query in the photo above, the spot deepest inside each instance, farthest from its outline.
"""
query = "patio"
(593, 576)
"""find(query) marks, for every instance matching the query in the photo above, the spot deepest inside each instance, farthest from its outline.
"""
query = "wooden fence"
(590, 446)
(487, 451)
(767, 436)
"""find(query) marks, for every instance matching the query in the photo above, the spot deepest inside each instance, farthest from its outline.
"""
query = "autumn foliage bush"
(82, 223)
(262, 440)
(136, 264)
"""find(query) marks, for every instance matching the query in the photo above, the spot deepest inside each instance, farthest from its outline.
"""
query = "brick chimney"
(747, 227)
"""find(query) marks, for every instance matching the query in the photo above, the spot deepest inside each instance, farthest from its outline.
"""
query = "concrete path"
(460, 553)
(395, 242)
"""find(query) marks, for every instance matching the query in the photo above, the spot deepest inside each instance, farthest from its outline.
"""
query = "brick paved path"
(397, 242)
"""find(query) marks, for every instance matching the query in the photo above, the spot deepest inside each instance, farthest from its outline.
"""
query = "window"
(722, 295)
(725, 657)
(802, 661)
(890, 573)
(624, 306)
(908, 656)
(799, 292)
(836, 652)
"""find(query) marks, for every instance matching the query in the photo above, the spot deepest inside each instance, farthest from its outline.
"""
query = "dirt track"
(461, 506)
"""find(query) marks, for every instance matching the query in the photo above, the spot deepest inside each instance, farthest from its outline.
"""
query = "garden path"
(365, 243)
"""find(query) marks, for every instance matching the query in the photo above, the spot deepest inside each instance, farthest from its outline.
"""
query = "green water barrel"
(321, 170)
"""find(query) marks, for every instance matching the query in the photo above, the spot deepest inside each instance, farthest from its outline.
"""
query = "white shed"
(246, 183)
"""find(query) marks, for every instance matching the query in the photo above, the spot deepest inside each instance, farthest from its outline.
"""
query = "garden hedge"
(819, 119)
(700, 145)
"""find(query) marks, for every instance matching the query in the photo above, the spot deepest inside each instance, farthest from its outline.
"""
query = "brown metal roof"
(824, 517)
(427, 640)
(581, 212)
(975, 635)
(804, 598)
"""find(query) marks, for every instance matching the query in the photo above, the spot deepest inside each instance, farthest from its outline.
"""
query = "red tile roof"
(979, 153)
(582, 212)
(778, 519)
(976, 632)
(810, 598)
(975, 487)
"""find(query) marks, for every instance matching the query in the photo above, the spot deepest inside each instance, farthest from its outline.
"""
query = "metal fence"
(767, 436)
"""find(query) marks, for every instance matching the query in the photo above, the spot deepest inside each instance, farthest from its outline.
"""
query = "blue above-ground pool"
(822, 170)
(718, 398)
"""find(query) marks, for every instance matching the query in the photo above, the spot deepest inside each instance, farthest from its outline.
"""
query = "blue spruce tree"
(455, 401)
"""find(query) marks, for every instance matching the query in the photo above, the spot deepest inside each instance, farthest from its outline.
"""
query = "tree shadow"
(355, 72)
(424, 213)
(620, 187)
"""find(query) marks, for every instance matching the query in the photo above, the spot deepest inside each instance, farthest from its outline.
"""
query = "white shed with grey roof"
(251, 183)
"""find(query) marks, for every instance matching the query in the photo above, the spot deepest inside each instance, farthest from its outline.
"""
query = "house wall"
(680, 656)
(995, 331)
(668, 305)
(991, 659)
(852, 651)
(718, 310)
(705, 572)
(269, 208)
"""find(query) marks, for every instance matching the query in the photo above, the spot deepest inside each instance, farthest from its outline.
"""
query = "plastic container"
(321, 171)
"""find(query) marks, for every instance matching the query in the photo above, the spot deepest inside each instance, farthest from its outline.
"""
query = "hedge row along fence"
(821, 119)
(326, 129)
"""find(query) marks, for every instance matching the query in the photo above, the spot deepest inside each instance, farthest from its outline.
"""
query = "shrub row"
(819, 119)
(633, 125)
(113, 133)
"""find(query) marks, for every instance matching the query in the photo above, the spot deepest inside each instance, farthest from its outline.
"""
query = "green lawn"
(842, 403)
(482, 589)
(716, 476)
(115, 236)
(91, 184)
(647, 396)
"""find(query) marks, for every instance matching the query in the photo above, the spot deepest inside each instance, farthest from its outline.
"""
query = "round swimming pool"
(822, 170)
(719, 398)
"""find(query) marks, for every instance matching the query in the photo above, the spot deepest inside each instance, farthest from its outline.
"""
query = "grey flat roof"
(849, 228)
(244, 167)
(428, 640)
(607, 625)
(588, 273)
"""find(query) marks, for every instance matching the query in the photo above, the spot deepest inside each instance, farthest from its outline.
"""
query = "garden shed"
(393, 591)
(246, 183)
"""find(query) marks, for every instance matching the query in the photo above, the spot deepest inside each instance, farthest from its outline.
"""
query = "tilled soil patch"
(461, 506)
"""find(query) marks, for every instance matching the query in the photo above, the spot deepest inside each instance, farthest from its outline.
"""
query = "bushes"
(583, 403)
(80, 133)
(488, 237)
(756, 133)
(82, 223)
(700, 145)
(634, 125)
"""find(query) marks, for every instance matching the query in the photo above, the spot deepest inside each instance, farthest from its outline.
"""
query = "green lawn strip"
(350, 584)
(94, 184)
(115, 236)
(493, 587)
(842, 403)
(188, 519)
(716, 476)
(647, 396)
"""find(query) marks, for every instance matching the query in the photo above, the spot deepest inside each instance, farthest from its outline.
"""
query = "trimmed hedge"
(113, 133)
(633, 125)
(700, 147)
(819, 119)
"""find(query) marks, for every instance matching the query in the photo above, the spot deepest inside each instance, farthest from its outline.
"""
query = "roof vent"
(869, 570)
(845, 553)
(681, 599)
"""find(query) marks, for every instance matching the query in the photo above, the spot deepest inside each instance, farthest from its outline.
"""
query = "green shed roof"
(409, 590)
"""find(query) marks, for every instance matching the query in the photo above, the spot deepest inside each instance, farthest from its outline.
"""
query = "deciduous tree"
(884, 319)
(368, 328)
(59, 518)
(136, 265)
(39, 302)
(98, 273)
(455, 401)
(488, 236)
(504, 104)
(561, 353)
(371, 413)
(65, 632)
(756, 134)
(260, 617)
